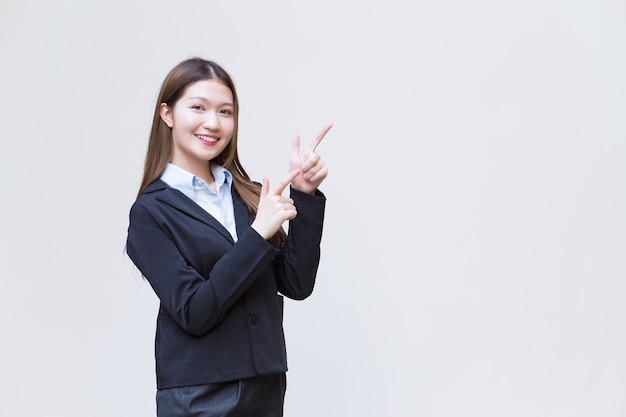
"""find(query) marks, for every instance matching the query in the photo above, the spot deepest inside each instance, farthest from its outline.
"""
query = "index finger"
(284, 183)
(319, 137)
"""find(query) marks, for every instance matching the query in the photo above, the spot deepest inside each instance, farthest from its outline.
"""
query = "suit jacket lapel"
(180, 201)
(243, 219)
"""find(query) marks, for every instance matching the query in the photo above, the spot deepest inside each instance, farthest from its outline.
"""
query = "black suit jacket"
(220, 314)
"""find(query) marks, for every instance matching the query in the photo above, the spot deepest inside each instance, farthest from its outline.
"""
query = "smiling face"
(202, 123)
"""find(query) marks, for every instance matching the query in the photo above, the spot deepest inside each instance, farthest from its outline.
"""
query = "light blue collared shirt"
(218, 205)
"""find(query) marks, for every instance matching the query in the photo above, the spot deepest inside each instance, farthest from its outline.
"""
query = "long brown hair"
(159, 152)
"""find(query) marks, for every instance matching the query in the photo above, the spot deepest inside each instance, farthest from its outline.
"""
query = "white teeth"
(206, 138)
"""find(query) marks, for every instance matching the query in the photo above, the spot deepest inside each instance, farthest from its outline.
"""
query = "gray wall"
(473, 258)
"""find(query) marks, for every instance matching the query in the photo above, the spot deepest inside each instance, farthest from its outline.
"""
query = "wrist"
(305, 190)
(260, 230)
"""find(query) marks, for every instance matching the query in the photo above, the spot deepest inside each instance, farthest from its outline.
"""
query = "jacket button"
(252, 319)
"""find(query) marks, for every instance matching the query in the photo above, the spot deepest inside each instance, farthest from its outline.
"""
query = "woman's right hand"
(274, 209)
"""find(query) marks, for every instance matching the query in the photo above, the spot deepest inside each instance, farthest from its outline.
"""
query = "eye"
(226, 112)
(197, 107)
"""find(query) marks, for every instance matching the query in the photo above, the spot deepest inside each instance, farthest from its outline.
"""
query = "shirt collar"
(221, 176)
(182, 180)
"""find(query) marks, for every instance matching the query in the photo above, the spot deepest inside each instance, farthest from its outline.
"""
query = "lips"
(209, 140)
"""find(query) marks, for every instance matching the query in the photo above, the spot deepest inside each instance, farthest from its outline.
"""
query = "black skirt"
(261, 396)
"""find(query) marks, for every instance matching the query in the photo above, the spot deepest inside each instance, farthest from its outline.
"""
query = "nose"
(211, 121)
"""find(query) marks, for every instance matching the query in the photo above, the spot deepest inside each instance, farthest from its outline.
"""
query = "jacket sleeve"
(195, 303)
(296, 266)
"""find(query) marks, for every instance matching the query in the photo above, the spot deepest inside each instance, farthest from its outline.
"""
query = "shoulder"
(147, 201)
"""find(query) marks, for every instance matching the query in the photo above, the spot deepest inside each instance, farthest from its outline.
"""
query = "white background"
(473, 256)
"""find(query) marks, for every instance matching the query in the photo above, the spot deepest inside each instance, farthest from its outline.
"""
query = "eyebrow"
(226, 103)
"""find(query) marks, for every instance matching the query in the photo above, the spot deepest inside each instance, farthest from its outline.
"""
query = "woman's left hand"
(313, 169)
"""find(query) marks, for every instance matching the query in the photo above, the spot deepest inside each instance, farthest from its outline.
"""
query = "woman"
(211, 244)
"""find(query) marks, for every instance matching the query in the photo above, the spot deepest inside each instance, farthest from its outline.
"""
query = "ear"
(166, 114)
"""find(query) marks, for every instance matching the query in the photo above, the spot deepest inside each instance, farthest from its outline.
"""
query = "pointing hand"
(274, 209)
(312, 167)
